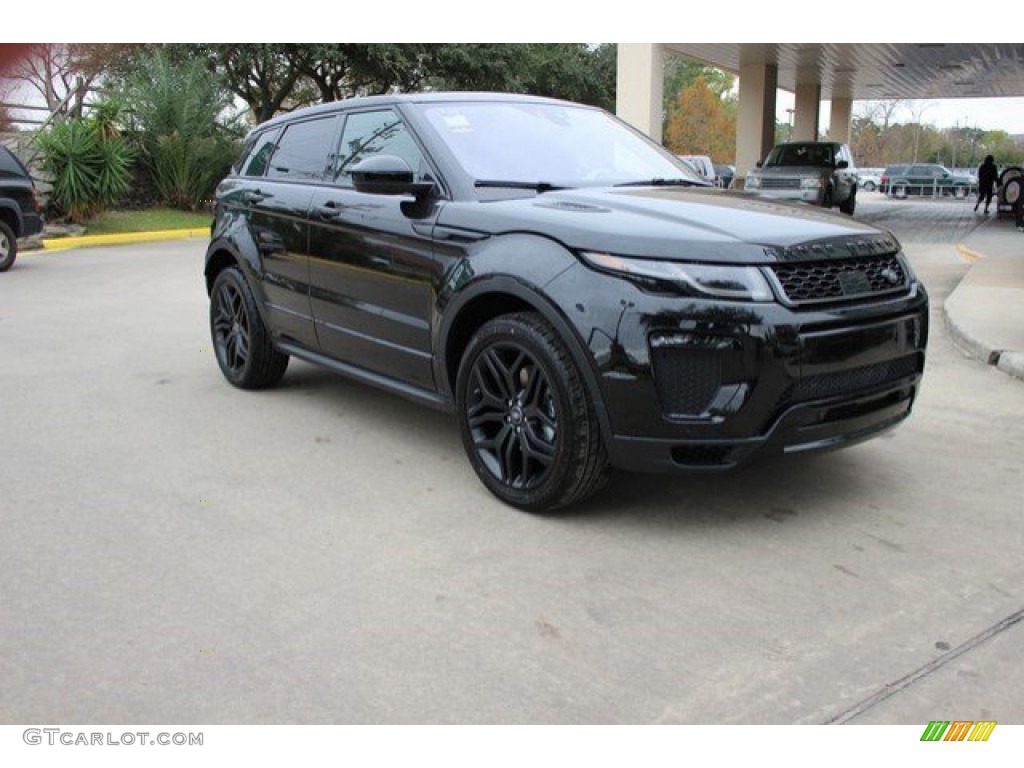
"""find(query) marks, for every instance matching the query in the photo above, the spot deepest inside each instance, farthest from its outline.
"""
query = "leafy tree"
(183, 121)
(701, 123)
(681, 72)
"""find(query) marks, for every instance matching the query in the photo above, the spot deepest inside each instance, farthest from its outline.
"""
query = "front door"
(372, 264)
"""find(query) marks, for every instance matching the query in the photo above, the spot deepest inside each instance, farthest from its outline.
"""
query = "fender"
(541, 260)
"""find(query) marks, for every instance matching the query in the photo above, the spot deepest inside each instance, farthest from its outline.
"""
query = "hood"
(675, 223)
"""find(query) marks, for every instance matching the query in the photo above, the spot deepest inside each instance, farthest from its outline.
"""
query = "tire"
(960, 192)
(244, 349)
(527, 421)
(899, 191)
(869, 186)
(849, 205)
(826, 199)
(1011, 191)
(8, 247)
(1010, 173)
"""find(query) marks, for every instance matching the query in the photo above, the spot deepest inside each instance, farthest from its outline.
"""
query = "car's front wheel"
(245, 352)
(8, 247)
(849, 204)
(527, 421)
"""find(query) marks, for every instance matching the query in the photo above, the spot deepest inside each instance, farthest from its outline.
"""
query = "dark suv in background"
(927, 179)
(576, 296)
(19, 207)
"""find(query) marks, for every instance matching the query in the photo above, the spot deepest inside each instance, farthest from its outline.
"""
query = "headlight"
(810, 183)
(723, 282)
(752, 182)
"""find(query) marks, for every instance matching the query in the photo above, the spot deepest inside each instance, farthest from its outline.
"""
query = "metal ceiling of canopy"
(878, 70)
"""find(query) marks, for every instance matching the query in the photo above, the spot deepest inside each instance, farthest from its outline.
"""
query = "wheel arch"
(500, 295)
(11, 216)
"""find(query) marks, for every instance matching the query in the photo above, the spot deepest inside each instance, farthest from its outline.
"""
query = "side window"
(376, 133)
(256, 161)
(304, 151)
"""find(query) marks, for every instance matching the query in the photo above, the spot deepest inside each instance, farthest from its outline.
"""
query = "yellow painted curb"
(86, 241)
(968, 255)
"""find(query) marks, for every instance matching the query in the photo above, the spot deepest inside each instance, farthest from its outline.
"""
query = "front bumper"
(812, 195)
(692, 384)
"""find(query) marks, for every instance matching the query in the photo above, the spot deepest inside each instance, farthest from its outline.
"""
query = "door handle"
(329, 210)
(252, 197)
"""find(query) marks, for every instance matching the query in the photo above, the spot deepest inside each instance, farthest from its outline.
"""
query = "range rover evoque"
(573, 294)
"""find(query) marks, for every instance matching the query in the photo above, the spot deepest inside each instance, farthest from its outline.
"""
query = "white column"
(639, 84)
(839, 122)
(807, 112)
(755, 122)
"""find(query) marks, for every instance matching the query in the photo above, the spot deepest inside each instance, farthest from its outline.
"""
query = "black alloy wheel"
(527, 422)
(244, 349)
(8, 247)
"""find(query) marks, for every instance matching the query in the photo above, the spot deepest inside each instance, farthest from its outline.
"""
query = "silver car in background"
(817, 172)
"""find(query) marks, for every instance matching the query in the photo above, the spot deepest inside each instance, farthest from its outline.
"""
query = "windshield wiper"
(664, 183)
(536, 186)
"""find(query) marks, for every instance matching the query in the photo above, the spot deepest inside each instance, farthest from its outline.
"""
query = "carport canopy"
(814, 72)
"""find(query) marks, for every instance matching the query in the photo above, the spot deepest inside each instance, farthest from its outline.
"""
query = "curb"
(87, 241)
(1007, 361)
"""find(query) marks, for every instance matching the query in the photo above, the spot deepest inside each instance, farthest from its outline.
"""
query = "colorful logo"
(958, 730)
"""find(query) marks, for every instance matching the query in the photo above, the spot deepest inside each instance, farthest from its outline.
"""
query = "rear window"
(11, 165)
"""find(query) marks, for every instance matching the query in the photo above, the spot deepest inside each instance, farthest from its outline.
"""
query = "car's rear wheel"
(8, 247)
(869, 186)
(527, 421)
(960, 192)
(245, 352)
(899, 191)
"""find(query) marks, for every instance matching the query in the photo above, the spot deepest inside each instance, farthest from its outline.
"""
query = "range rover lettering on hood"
(834, 249)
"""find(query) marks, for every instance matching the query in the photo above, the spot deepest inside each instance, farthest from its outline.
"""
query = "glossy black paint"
(19, 205)
(389, 288)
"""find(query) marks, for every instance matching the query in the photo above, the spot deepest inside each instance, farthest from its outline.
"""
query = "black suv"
(19, 207)
(576, 296)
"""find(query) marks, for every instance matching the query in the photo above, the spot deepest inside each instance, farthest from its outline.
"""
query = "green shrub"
(181, 116)
(90, 169)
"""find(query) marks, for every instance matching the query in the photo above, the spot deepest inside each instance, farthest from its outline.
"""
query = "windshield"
(555, 144)
(800, 154)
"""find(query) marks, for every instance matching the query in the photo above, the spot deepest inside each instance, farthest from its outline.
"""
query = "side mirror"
(842, 164)
(760, 163)
(387, 175)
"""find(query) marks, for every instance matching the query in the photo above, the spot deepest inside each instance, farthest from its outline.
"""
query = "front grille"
(769, 182)
(687, 379)
(840, 280)
(853, 379)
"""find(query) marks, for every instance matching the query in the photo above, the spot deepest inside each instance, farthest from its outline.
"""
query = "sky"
(1005, 114)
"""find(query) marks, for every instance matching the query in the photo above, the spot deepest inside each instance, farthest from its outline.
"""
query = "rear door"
(277, 186)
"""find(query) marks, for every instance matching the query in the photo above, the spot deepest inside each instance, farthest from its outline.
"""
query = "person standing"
(988, 175)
